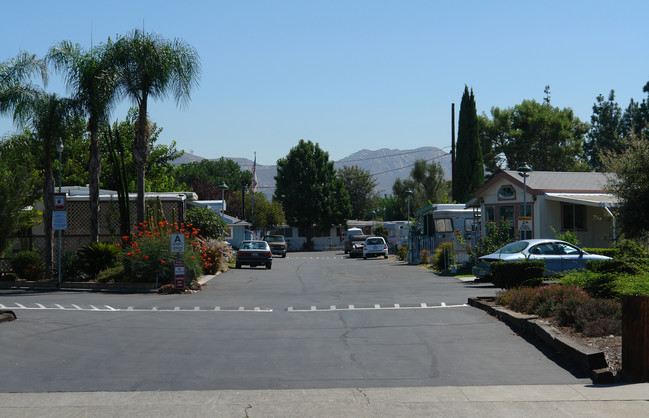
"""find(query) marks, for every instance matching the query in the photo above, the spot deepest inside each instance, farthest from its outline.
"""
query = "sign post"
(179, 274)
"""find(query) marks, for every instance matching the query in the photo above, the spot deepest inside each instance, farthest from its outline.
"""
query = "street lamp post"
(409, 254)
(524, 171)
(373, 217)
(223, 188)
(59, 149)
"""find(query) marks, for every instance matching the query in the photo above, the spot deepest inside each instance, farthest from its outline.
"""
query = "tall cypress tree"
(469, 164)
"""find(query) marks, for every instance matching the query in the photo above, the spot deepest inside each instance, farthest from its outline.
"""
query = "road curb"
(6, 316)
(584, 358)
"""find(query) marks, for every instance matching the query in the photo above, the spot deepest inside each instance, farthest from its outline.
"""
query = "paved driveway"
(316, 320)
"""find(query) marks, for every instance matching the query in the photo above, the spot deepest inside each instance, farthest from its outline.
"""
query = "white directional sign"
(177, 243)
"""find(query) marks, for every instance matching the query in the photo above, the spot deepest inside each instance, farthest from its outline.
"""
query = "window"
(468, 225)
(443, 225)
(573, 217)
(506, 193)
(506, 212)
(490, 213)
(567, 249)
(544, 249)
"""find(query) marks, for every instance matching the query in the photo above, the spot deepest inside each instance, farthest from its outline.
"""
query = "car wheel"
(364, 257)
(284, 255)
(268, 266)
(237, 265)
(385, 256)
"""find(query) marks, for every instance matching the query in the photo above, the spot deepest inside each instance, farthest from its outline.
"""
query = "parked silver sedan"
(559, 256)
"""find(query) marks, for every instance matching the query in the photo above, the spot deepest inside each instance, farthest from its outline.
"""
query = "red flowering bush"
(147, 252)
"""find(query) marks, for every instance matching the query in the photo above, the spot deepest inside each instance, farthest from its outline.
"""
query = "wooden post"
(635, 338)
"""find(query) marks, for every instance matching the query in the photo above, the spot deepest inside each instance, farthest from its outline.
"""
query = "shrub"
(609, 252)
(444, 256)
(207, 221)
(599, 285)
(97, 256)
(111, 274)
(510, 274)
(567, 236)
(402, 252)
(147, 254)
(215, 254)
(68, 265)
(425, 257)
(28, 265)
(496, 237)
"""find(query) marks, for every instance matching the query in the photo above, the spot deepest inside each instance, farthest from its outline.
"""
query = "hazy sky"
(355, 74)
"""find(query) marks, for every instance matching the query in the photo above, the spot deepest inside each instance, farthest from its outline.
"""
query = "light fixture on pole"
(59, 149)
(373, 216)
(524, 171)
(223, 188)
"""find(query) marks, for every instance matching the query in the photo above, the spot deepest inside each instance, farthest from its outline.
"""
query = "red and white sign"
(179, 274)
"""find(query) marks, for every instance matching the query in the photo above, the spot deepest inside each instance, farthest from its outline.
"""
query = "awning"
(602, 200)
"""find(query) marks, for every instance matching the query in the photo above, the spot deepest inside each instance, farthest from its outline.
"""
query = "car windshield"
(514, 247)
(256, 245)
(374, 241)
(274, 239)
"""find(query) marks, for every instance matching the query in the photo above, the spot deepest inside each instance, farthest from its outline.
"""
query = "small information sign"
(59, 220)
(179, 274)
(177, 242)
(524, 223)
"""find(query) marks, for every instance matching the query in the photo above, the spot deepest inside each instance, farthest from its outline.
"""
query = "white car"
(375, 246)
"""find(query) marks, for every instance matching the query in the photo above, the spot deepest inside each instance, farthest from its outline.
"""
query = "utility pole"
(452, 145)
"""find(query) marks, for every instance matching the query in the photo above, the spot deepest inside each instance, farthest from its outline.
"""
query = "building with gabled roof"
(549, 201)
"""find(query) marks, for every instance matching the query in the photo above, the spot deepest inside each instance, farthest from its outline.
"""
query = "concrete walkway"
(483, 401)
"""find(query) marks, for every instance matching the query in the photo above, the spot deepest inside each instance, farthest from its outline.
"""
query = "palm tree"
(152, 66)
(91, 77)
(47, 114)
(16, 87)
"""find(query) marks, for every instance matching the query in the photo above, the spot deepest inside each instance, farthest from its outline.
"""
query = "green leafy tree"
(205, 176)
(91, 77)
(151, 66)
(360, 185)
(268, 214)
(427, 184)
(469, 164)
(548, 138)
(604, 134)
(309, 190)
(18, 189)
(631, 185)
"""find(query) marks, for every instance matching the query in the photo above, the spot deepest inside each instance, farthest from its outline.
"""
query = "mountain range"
(385, 164)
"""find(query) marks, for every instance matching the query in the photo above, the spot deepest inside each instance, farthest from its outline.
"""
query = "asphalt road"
(316, 320)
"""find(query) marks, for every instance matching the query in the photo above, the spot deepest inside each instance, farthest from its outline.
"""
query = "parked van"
(348, 237)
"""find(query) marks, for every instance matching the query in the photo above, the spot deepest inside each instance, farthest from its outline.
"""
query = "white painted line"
(197, 308)
(177, 308)
(241, 308)
(20, 306)
(2, 306)
(351, 307)
(59, 306)
(257, 309)
(41, 306)
(155, 308)
(423, 305)
(130, 308)
(443, 305)
(110, 308)
(218, 308)
(397, 306)
(94, 308)
(332, 307)
(313, 308)
(290, 309)
(77, 307)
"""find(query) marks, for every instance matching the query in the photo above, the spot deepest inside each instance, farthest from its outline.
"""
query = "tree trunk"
(94, 168)
(141, 155)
